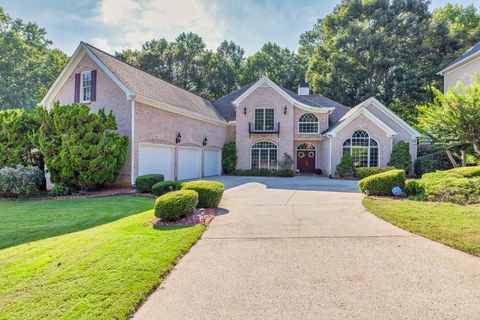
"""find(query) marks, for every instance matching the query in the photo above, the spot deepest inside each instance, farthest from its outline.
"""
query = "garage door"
(156, 159)
(189, 163)
(212, 163)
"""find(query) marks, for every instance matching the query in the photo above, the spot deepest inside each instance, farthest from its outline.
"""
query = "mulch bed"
(199, 216)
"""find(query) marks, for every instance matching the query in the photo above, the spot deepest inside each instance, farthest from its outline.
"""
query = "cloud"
(132, 22)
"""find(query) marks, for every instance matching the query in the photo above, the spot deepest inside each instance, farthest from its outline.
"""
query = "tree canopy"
(28, 64)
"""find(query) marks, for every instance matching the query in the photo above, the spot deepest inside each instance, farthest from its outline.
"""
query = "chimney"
(303, 89)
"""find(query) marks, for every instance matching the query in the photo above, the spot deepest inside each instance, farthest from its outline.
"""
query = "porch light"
(205, 140)
(178, 138)
(245, 110)
(285, 110)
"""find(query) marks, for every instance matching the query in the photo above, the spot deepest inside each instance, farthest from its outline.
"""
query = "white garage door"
(156, 159)
(212, 163)
(189, 163)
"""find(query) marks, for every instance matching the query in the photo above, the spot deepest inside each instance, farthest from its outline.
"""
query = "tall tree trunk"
(451, 158)
(476, 147)
(464, 157)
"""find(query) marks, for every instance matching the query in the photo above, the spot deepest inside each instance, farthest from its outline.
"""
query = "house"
(179, 134)
(463, 69)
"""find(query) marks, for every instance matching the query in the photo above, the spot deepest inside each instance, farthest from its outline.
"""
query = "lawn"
(97, 273)
(454, 225)
(25, 221)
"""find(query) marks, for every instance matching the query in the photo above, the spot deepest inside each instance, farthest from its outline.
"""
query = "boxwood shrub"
(448, 186)
(175, 205)
(264, 173)
(381, 184)
(209, 192)
(146, 182)
(414, 188)
(467, 172)
(163, 187)
(432, 162)
(363, 172)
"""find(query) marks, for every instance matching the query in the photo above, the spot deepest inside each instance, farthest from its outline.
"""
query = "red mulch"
(199, 216)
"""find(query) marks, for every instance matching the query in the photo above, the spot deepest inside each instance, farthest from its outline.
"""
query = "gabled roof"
(224, 104)
(361, 108)
(468, 55)
(140, 84)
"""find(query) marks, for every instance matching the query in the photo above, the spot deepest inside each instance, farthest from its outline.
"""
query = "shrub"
(60, 189)
(264, 173)
(175, 205)
(163, 187)
(414, 188)
(318, 171)
(20, 181)
(346, 167)
(283, 173)
(16, 146)
(451, 187)
(209, 192)
(400, 156)
(467, 172)
(80, 148)
(146, 182)
(286, 163)
(432, 162)
(381, 184)
(229, 157)
(363, 172)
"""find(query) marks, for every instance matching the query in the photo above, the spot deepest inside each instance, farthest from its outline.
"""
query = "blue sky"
(116, 24)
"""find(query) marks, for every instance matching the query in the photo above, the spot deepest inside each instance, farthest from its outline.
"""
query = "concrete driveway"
(287, 253)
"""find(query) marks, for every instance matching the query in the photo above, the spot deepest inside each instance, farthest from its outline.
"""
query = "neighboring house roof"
(225, 105)
(362, 109)
(136, 82)
(468, 55)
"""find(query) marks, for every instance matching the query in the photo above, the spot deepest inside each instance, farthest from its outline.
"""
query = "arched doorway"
(306, 157)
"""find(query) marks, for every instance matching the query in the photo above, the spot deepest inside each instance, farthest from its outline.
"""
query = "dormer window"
(86, 86)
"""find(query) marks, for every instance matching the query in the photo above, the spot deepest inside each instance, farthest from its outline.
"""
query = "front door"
(306, 161)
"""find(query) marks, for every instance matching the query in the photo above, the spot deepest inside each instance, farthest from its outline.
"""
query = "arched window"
(263, 155)
(364, 150)
(308, 123)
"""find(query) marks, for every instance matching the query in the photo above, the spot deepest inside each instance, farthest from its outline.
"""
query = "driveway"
(299, 249)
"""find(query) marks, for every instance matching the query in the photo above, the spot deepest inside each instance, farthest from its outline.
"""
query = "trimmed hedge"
(431, 163)
(414, 188)
(20, 181)
(209, 192)
(175, 205)
(451, 186)
(381, 184)
(363, 172)
(146, 182)
(264, 173)
(163, 187)
(467, 172)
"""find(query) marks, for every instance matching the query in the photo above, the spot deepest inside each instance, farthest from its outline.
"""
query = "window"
(264, 119)
(86, 86)
(308, 123)
(364, 150)
(264, 155)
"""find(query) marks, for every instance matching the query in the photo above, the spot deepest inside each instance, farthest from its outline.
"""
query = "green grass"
(29, 220)
(98, 273)
(454, 225)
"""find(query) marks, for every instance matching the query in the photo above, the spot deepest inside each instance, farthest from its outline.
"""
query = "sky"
(113, 25)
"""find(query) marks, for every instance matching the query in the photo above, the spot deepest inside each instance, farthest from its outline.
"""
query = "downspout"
(132, 161)
(330, 157)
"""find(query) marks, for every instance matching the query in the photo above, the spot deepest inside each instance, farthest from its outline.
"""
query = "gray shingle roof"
(473, 50)
(225, 107)
(143, 83)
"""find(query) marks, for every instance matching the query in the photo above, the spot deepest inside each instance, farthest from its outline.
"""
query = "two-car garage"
(191, 162)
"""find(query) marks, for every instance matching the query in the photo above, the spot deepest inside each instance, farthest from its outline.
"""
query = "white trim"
(265, 82)
(318, 124)
(330, 157)
(414, 133)
(459, 64)
(168, 107)
(81, 87)
(382, 125)
(132, 161)
(160, 145)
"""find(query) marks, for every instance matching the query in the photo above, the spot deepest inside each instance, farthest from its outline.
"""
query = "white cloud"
(132, 22)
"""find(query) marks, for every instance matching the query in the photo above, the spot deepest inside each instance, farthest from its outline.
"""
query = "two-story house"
(179, 134)
(463, 69)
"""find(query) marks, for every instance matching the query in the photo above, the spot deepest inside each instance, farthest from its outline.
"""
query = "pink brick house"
(179, 134)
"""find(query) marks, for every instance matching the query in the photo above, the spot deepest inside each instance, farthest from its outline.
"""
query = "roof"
(143, 83)
(473, 51)
(225, 106)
